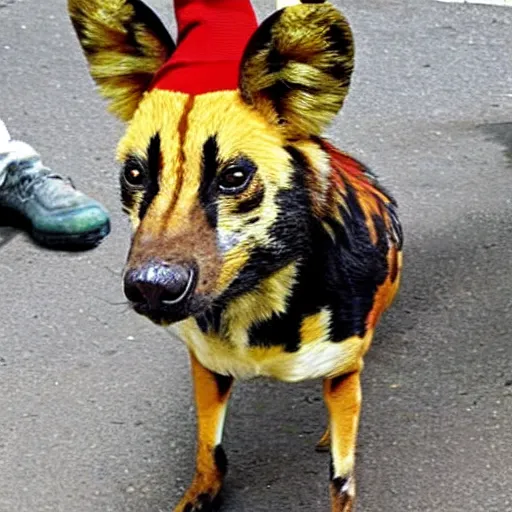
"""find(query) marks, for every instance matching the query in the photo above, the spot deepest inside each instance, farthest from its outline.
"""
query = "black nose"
(158, 284)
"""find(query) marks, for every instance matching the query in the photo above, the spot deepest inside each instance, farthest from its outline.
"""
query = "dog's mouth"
(167, 314)
(160, 315)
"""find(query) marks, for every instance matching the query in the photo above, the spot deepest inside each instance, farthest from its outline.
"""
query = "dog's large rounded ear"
(296, 68)
(125, 44)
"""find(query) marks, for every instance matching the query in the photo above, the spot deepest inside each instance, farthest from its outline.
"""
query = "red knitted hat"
(212, 35)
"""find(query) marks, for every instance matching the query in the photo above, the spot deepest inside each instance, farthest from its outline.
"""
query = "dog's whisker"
(114, 272)
(112, 303)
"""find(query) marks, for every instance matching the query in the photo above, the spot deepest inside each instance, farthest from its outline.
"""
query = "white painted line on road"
(502, 3)
(280, 4)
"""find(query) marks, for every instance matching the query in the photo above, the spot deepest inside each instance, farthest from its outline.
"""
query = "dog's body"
(268, 250)
(314, 317)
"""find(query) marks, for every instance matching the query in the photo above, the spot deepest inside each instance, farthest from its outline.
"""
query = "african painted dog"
(270, 251)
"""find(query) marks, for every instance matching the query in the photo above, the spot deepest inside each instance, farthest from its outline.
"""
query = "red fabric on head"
(212, 35)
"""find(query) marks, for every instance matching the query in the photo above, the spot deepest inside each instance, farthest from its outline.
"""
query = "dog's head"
(219, 186)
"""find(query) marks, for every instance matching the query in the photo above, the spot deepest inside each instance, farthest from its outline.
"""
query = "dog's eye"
(133, 176)
(235, 179)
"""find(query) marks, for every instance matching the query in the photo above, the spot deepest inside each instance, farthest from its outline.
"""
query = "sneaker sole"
(80, 241)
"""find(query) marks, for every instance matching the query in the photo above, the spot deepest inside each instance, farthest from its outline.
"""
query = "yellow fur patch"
(315, 328)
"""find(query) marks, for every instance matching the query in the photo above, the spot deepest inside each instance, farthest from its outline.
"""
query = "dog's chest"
(316, 357)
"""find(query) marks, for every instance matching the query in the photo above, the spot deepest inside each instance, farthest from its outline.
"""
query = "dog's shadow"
(7, 234)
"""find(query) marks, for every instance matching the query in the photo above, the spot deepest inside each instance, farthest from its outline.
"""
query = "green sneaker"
(58, 214)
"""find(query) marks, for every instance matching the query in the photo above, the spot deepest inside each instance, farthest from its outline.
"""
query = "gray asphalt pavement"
(95, 403)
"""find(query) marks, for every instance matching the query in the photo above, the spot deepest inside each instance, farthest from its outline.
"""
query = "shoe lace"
(29, 183)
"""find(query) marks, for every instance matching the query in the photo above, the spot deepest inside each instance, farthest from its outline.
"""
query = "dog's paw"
(343, 492)
(201, 503)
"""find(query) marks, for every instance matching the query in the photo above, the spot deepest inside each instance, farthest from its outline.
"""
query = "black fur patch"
(341, 43)
(221, 460)
(353, 270)
(253, 202)
(202, 323)
(339, 483)
(275, 60)
(153, 166)
(224, 383)
(210, 320)
(210, 167)
(278, 331)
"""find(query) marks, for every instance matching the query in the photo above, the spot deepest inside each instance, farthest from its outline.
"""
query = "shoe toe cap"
(86, 219)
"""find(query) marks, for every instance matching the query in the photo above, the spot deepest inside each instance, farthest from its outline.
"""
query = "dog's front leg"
(212, 393)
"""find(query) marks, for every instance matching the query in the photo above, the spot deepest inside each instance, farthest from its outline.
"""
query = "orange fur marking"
(388, 290)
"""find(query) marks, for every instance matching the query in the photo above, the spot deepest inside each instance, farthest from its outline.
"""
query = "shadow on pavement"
(7, 234)
(501, 133)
